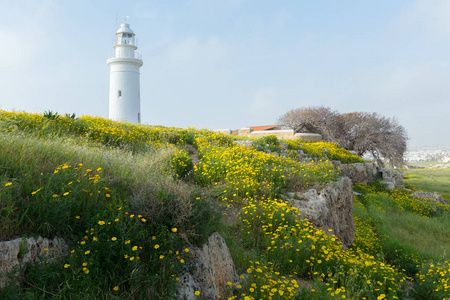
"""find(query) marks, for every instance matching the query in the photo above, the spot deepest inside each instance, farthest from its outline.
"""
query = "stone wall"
(244, 131)
(224, 131)
(282, 134)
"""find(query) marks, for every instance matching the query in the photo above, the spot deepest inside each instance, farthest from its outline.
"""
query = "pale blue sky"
(237, 63)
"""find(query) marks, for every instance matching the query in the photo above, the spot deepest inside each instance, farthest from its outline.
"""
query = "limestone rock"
(187, 285)
(392, 179)
(429, 195)
(247, 143)
(362, 173)
(20, 251)
(284, 146)
(372, 171)
(389, 185)
(331, 208)
(300, 155)
(356, 172)
(213, 267)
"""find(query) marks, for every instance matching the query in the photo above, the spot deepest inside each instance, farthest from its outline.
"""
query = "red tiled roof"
(265, 127)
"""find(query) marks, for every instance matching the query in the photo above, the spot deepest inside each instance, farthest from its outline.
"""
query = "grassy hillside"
(430, 179)
(132, 199)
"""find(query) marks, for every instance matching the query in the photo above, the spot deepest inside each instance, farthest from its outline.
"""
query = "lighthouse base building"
(124, 89)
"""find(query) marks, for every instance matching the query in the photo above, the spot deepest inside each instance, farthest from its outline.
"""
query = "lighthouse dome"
(125, 28)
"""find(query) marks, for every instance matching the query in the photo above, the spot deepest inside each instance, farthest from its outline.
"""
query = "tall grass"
(123, 214)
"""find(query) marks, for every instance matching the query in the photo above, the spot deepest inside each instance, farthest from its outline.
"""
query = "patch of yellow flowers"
(295, 247)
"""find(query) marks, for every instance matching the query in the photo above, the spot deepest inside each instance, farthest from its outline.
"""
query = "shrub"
(269, 142)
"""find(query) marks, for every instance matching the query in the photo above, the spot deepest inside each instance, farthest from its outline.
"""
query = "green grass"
(416, 241)
(408, 238)
(429, 179)
(429, 237)
(426, 164)
(129, 200)
(28, 161)
(123, 200)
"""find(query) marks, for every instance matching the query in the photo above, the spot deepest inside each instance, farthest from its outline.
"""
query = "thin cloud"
(431, 16)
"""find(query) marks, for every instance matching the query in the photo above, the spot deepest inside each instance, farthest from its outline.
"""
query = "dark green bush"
(268, 142)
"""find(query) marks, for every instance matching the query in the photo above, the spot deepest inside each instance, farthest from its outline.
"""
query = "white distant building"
(124, 89)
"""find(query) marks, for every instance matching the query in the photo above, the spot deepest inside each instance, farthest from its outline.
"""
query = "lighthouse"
(124, 87)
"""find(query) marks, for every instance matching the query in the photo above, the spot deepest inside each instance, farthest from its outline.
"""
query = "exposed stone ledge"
(20, 251)
(247, 143)
(362, 173)
(212, 267)
(392, 179)
(330, 208)
(430, 195)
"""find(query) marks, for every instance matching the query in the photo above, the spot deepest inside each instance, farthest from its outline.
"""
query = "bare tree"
(372, 133)
(317, 119)
(362, 132)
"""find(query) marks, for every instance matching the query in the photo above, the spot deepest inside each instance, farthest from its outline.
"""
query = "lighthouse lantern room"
(124, 89)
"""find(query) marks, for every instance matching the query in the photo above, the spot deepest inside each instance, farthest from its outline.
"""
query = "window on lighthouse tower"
(126, 39)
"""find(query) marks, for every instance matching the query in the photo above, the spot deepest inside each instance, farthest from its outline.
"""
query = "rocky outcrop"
(330, 208)
(247, 143)
(429, 195)
(362, 173)
(284, 147)
(413, 167)
(211, 268)
(20, 251)
(440, 166)
(392, 179)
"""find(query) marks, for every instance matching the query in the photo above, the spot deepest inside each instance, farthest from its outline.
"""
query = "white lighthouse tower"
(124, 89)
